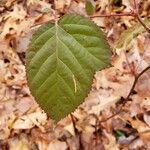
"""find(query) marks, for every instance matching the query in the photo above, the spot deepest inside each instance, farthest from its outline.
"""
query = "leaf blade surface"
(61, 61)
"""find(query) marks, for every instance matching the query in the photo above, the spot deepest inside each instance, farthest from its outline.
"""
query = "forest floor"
(24, 126)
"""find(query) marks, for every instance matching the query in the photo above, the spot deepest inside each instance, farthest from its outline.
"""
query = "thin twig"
(114, 15)
(136, 6)
(142, 23)
(133, 13)
(112, 116)
(73, 122)
(128, 96)
(135, 81)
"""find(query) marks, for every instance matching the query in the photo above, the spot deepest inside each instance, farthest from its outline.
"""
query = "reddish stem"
(111, 15)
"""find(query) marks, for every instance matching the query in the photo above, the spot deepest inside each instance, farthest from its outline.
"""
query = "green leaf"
(120, 133)
(89, 7)
(61, 61)
(128, 35)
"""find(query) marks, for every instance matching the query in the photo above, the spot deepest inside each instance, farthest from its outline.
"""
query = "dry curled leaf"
(28, 121)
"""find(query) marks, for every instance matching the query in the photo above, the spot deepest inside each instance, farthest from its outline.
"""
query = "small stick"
(135, 82)
(138, 16)
(128, 96)
(143, 24)
(114, 15)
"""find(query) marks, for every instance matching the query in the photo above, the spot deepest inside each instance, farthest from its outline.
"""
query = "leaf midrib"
(56, 26)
